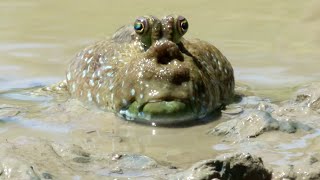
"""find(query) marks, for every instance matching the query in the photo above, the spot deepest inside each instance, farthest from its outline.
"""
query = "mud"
(255, 120)
(29, 158)
(257, 139)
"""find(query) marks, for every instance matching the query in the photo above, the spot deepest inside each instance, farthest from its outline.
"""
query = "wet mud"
(252, 139)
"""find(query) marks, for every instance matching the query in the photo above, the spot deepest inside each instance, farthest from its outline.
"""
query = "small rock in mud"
(308, 96)
(303, 107)
(116, 157)
(253, 123)
(232, 167)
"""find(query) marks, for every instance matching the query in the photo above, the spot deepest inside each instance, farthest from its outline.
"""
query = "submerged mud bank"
(252, 139)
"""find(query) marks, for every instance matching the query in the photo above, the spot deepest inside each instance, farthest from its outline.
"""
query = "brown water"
(272, 45)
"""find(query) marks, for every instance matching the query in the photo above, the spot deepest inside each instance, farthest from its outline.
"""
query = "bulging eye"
(140, 26)
(182, 24)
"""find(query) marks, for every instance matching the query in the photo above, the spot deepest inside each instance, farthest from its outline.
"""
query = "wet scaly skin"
(149, 73)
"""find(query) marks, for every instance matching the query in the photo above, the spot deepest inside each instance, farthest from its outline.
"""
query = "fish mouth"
(160, 112)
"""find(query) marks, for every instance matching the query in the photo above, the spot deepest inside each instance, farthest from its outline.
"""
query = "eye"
(140, 26)
(182, 24)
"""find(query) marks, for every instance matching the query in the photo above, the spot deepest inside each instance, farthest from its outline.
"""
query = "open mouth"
(159, 112)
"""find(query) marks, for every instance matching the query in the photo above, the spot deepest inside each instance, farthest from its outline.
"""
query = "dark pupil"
(184, 25)
(138, 26)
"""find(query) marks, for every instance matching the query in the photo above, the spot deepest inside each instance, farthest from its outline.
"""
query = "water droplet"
(89, 96)
(90, 60)
(98, 98)
(91, 82)
(84, 72)
(133, 92)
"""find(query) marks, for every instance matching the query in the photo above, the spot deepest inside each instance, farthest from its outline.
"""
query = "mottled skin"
(149, 73)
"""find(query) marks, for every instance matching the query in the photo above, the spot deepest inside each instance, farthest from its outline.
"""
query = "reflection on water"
(272, 45)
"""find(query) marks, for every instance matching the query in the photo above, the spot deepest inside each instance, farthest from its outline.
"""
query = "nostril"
(180, 76)
(166, 51)
(168, 55)
(164, 60)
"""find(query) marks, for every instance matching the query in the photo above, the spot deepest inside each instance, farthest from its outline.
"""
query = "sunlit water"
(272, 45)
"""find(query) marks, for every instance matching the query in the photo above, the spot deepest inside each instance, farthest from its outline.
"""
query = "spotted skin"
(150, 65)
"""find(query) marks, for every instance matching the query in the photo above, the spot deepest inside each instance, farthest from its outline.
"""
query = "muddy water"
(273, 46)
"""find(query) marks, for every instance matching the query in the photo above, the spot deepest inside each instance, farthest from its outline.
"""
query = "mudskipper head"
(165, 75)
